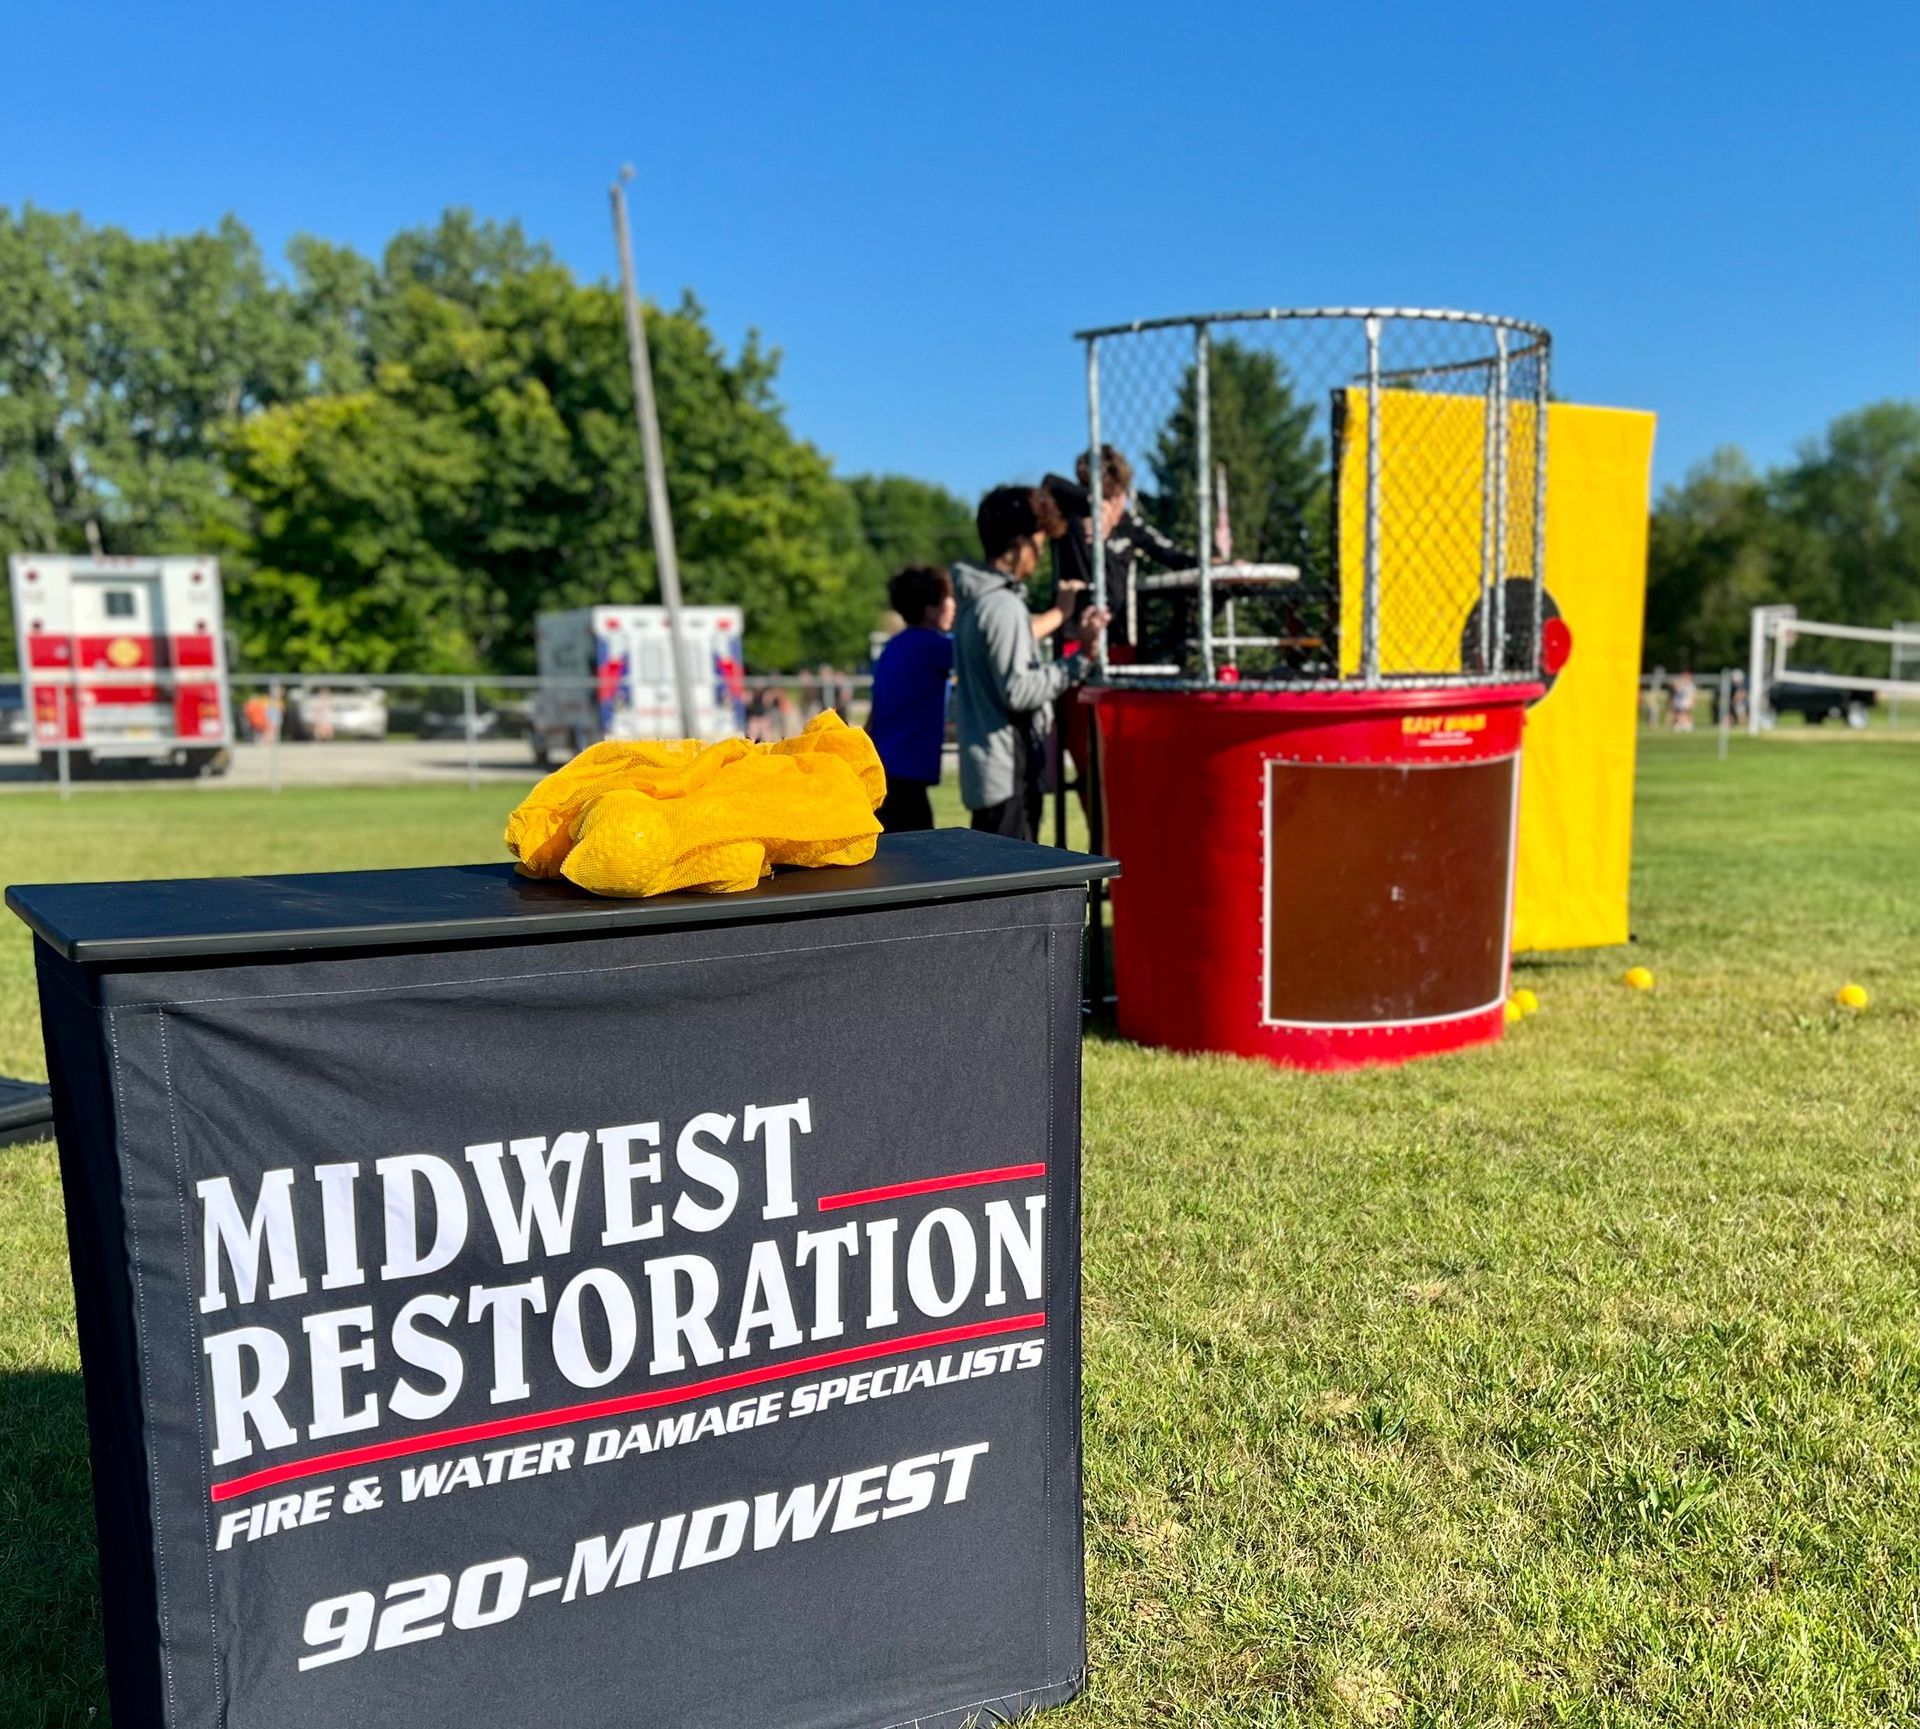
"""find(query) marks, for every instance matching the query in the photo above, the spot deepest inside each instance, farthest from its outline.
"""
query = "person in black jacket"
(1128, 538)
(1133, 632)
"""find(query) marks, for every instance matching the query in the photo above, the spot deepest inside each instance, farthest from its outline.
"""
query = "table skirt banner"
(675, 1327)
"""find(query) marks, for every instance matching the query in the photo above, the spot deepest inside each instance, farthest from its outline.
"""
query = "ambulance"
(123, 660)
(607, 672)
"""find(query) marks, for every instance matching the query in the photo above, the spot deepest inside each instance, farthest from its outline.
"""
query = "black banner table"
(500, 1306)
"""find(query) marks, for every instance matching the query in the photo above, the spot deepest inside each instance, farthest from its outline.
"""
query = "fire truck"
(123, 660)
(607, 672)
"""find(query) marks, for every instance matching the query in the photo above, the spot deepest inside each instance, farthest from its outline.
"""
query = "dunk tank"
(1306, 741)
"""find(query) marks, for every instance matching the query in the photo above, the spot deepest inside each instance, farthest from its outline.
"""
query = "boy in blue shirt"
(909, 719)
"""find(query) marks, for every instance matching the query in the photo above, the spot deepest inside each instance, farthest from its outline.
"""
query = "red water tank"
(1321, 878)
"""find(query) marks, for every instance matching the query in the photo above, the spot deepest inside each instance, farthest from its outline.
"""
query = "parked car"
(1820, 702)
(319, 711)
(13, 712)
(445, 716)
(441, 712)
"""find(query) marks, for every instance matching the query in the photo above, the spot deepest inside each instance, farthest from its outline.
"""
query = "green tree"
(1712, 556)
(118, 358)
(1835, 532)
(1854, 497)
(402, 462)
(1276, 465)
(907, 521)
(354, 497)
(490, 471)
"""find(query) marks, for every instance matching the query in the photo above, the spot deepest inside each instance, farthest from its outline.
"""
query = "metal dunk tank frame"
(1306, 747)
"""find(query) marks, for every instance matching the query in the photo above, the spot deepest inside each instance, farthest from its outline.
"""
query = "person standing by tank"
(1005, 688)
(1127, 538)
(908, 722)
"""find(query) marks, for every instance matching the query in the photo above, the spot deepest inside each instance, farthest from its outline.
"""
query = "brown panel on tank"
(1386, 889)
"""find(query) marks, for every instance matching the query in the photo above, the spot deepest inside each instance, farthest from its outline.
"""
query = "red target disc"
(1556, 645)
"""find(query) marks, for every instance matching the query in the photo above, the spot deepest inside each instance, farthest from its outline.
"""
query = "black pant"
(906, 806)
(1018, 816)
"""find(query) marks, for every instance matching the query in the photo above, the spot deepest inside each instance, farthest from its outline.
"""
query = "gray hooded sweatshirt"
(1004, 687)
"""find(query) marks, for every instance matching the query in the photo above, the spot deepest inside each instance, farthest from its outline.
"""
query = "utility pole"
(666, 557)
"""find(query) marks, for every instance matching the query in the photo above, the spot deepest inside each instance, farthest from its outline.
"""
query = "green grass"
(1568, 1382)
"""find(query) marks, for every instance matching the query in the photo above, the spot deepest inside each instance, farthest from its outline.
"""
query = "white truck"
(607, 672)
(124, 660)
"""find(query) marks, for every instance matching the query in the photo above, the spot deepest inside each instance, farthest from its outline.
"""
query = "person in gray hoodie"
(1004, 687)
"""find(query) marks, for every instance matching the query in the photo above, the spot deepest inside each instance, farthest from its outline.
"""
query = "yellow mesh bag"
(647, 817)
(827, 735)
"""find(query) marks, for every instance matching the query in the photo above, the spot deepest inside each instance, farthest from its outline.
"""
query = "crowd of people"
(1670, 701)
(973, 639)
(781, 708)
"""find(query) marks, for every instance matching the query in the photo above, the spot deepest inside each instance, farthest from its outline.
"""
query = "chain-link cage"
(1320, 497)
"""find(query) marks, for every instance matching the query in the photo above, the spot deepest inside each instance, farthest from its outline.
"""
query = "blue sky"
(1716, 208)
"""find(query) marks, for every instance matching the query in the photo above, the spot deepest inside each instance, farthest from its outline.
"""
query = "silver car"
(320, 711)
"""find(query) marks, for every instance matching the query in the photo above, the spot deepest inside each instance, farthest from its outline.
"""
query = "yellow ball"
(1514, 1012)
(1525, 1001)
(1637, 978)
(1852, 997)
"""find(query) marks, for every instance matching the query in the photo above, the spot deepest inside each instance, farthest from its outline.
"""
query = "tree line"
(1835, 531)
(401, 462)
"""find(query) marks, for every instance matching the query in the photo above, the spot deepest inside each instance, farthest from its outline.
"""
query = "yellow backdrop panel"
(1576, 769)
(1576, 783)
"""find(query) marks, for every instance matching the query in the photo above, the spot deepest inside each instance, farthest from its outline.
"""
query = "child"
(1680, 702)
(1128, 538)
(909, 717)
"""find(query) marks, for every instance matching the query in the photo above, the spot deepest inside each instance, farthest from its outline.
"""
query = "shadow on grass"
(52, 1667)
(1545, 961)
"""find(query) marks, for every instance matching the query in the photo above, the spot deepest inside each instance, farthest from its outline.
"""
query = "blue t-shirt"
(909, 717)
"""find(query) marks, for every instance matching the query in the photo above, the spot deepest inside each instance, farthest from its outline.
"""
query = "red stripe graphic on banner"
(930, 1185)
(531, 1420)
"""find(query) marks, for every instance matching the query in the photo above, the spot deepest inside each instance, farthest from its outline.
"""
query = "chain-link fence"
(276, 730)
(1322, 497)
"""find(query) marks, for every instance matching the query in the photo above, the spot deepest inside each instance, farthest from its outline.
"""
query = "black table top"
(193, 918)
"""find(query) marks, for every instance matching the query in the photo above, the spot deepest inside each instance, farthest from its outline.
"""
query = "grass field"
(1568, 1382)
